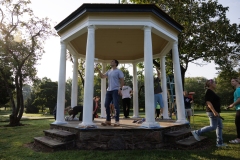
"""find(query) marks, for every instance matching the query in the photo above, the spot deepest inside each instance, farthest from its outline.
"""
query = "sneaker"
(222, 145)
(195, 135)
(106, 123)
(116, 124)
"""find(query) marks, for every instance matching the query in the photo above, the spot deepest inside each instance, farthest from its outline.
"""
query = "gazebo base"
(128, 136)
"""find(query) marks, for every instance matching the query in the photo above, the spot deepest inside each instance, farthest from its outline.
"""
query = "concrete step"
(49, 144)
(190, 141)
(60, 135)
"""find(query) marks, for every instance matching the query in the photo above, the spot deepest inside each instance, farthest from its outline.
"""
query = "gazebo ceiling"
(122, 44)
(114, 41)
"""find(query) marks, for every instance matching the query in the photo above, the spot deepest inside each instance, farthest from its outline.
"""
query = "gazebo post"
(135, 92)
(148, 81)
(103, 92)
(178, 85)
(89, 76)
(74, 93)
(61, 86)
(164, 88)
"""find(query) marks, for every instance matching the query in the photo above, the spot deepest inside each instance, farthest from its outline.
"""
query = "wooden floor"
(124, 123)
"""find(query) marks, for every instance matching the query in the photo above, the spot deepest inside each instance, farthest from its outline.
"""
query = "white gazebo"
(130, 33)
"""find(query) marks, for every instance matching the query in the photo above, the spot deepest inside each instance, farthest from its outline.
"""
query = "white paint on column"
(61, 86)
(103, 92)
(164, 88)
(89, 78)
(178, 86)
(148, 81)
(135, 92)
(74, 93)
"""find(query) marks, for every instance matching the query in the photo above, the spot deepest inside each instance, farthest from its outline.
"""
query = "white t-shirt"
(126, 92)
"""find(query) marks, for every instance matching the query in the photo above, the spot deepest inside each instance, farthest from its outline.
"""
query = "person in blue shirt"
(236, 83)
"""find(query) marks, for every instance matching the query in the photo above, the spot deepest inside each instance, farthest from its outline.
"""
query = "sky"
(57, 10)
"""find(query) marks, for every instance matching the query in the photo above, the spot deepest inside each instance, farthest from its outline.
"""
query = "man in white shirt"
(126, 99)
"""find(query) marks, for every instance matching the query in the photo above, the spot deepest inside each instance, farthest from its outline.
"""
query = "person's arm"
(158, 73)
(191, 101)
(234, 104)
(209, 104)
(131, 92)
(121, 85)
(100, 74)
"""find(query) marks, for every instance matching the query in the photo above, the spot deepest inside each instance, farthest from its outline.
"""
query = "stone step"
(174, 136)
(190, 141)
(60, 135)
(49, 144)
(178, 132)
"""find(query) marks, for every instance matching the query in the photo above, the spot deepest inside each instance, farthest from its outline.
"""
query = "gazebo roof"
(119, 30)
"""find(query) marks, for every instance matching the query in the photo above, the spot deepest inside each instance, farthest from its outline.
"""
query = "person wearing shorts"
(187, 102)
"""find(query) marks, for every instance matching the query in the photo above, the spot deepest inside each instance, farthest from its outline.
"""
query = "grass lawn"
(14, 139)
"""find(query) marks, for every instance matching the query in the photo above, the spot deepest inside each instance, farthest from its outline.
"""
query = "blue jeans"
(158, 99)
(112, 96)
(215, 124)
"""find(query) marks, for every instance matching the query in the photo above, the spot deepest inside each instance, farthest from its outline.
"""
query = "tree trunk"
(14, 121)
(183, 71)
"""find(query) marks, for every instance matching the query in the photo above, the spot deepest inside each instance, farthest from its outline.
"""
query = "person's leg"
(74, 112)
(116, 105)
(108, 100)
(213, 124)
(219, 131)
(237, 123)
(80, 109)
(128, 106)
(188, 114)
(124, 103)
(155, 100)
(158, 113)
(159, 100)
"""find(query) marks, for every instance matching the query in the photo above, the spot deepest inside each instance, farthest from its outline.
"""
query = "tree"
(45, 94)
(196, 84)
(22, 38)
(207, 34)
(29, 107)
(4, 97)
(224, 88)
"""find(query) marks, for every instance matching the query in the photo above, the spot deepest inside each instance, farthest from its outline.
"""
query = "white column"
(148, 81)
(74, 94)
(61, 86)
(164, 88)
(103, 92)
(178, 85)
(89, 78)
(135, 92)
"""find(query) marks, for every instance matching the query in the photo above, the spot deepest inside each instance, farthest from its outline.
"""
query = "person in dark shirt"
(187, 102)
(79, 109)
(158, 92)
(213, 111)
